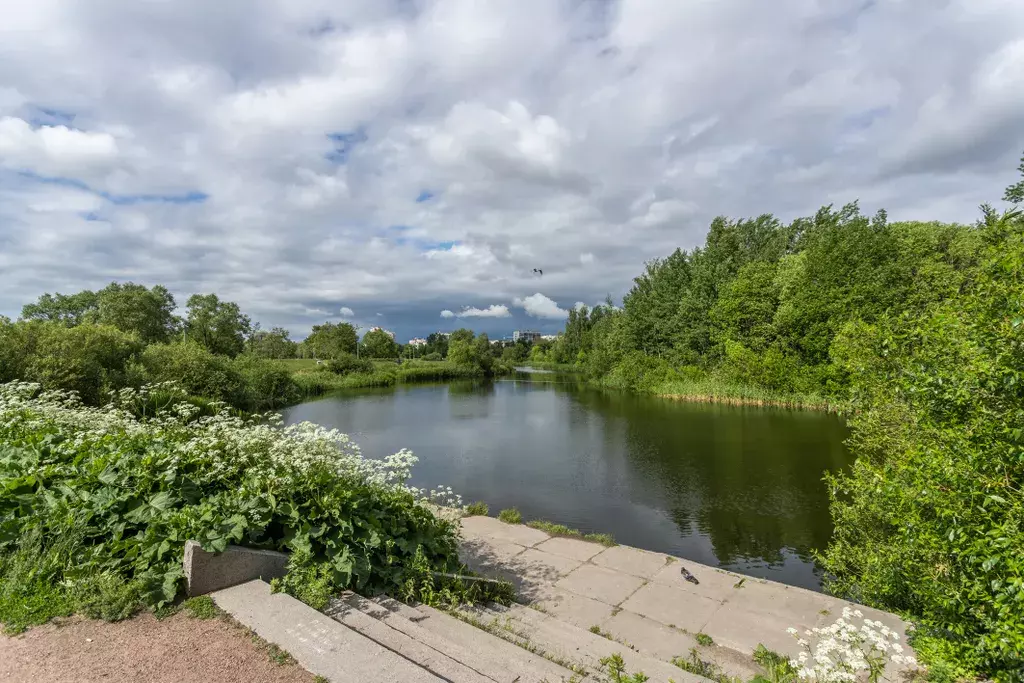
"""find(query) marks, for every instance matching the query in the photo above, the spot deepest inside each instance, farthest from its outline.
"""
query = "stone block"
(574, 609)
(491, 528)
(207, 572)
(672, 606)
(606, 585)
(570, 547)
(632, 561)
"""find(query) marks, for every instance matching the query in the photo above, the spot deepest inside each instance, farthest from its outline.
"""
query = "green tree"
(69, 309)
(379, 344)
(930, 521)
(436, 343)
(195, 368)
(88, 359)
(1015, 193)
(272, 344)
(147, 313)
(745, 308)
(218, 325)
(331, 340)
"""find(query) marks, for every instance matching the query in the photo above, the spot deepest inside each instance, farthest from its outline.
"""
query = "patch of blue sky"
(344, 143)
(424, 196)
(190, 197)
(865, 119)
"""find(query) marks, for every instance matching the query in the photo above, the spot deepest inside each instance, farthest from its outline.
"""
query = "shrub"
(195, 369)
(478, 508)
(511, 516)
(264, 384)
(347, 363)
(433, 356)
(100, 496)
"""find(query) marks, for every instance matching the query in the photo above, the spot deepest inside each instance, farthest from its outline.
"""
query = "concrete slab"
(741, 629)
(649, 636)
(529, 667)
(491, 528)
(802, 607)
(715, 583)
(574, 609)
(570, 547)
(207, 572)
(599, 583)
(672, 606)
(539, 566)
(632, 561)
(405, 638)
(321, 645)
(481, 554)
(565, 642)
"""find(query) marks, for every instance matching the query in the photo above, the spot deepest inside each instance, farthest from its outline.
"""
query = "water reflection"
(737, 487)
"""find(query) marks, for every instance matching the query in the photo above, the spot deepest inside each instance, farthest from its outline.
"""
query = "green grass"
(511, 516)
(705, 639)
(566, 532)
(294, 364)
(314, 380)
(477, 509)
(201, 607)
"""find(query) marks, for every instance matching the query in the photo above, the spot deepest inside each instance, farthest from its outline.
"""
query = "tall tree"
(272, 344)
(331, 340)
(148, 313)
(218, 325)
(379, 344)
(69, 309)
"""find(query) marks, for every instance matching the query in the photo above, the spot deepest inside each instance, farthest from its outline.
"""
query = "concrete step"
(564, 641)
(320, 644)
(498, 658)
(402, 636)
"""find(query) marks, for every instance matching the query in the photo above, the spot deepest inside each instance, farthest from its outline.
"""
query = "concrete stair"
(565, 642)
(383, 640)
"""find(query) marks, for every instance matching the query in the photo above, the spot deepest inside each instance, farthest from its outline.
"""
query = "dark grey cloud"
(580, 137)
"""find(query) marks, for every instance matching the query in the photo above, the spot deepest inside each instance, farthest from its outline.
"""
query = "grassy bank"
(317, 380)
(713, 390)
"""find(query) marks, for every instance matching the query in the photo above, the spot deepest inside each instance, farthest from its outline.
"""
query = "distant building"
(381, 329)
(528, 335)
(549, 337)
(417, 341)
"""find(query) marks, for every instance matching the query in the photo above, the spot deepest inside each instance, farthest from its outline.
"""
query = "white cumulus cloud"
(540, 306)
(346, 312)
(447, 314)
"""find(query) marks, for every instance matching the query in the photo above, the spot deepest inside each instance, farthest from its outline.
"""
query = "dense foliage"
(96, 504)
(918, 328)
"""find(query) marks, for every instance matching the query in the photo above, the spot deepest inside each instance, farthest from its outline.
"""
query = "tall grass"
(716, 390)
(320, 380)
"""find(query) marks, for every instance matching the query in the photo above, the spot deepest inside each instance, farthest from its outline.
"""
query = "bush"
(511, 516)
(477, 509)
(433, 356)
(930, 521)
(264, 384)
(347, 363)
(195, 369)
(102, 497)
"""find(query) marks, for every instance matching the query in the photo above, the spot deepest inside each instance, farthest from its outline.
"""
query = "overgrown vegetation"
(566, 532)
(96, 504)
(476, 509)
(511, 516)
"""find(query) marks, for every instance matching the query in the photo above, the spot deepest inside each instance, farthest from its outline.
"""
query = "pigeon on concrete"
(687, 575)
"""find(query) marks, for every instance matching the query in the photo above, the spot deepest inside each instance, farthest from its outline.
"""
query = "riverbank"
(313, 380)
(715, 391)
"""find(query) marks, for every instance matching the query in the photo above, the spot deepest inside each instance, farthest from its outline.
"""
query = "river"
(735, 487)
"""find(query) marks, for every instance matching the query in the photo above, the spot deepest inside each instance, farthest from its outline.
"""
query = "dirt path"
(143, 649)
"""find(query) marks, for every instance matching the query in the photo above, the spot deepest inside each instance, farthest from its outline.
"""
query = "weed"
(320, 679)
(511, 516)
(566, 532)
(616, 610)
(739, 584)
(604, 634)
(776, 666)
(201, 607)
(616, 670)
(704, 639)
(278, 655)
(476, 509)
(700, 667)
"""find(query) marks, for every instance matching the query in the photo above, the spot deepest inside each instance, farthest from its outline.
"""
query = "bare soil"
(143, 649)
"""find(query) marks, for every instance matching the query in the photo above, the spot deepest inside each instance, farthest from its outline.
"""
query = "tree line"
(918, 329)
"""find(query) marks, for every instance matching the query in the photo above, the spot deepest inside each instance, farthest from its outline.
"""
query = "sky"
(414, 164)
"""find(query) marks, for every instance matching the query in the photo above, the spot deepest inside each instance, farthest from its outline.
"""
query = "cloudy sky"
(410, 163)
